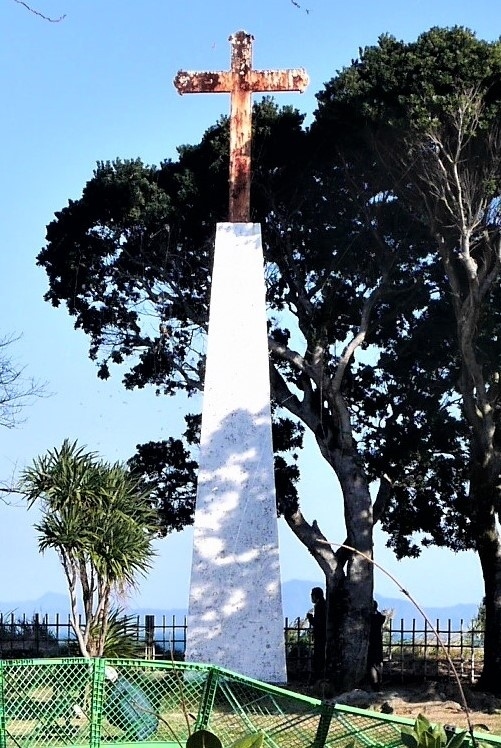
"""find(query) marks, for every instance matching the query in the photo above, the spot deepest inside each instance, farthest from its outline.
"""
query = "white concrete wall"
(235, 616)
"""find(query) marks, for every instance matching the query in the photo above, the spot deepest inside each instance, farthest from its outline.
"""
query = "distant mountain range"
(296, 603)
(53, 603)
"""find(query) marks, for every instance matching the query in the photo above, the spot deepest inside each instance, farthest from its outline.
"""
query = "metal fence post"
(97, 703)
(149, 635)
(324, 724)
(207, 700)
(36, 634)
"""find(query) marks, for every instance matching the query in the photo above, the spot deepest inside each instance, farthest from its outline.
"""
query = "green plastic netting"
(79, 702)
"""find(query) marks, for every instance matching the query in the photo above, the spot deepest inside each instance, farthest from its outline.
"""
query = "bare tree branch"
(41, 15)
(16, 390)
(300, 7)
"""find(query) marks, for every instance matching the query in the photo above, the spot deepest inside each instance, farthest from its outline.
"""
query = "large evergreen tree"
(424, 117)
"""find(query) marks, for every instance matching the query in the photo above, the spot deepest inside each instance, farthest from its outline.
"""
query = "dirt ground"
(439, 702)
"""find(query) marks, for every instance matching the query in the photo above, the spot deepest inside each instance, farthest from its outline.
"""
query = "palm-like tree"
(100, 522)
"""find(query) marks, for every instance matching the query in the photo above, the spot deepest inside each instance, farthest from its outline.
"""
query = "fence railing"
(410, 650)
(421, 653)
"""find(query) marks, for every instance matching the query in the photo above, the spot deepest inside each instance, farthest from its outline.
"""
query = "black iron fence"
(411, 651)
(429, 653)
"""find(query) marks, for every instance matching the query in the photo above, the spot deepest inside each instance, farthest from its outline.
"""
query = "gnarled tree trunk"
(350, 589)
(348, 575)
(484, 491)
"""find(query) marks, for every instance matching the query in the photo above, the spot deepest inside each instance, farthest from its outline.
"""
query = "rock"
(357, 697)
(433, 693)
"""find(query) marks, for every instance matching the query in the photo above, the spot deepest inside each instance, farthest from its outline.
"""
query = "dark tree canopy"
(132, 260)
(168, 471)
(425, 117)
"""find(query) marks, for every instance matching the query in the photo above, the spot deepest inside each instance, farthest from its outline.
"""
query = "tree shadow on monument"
(235, 589)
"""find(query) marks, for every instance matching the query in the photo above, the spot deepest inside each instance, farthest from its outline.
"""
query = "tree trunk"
(490, 559)
(350, 589)
(488, 545)
(349, 576)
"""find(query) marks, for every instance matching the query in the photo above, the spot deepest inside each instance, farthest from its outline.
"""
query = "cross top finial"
(241, 81)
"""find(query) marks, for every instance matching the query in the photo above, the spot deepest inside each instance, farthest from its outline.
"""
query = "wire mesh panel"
(79, 702)
(244, 706)
(47, 703)
(146, 701)
(365, 729)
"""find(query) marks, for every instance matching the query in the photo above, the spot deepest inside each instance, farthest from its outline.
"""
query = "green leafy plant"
(426, 735)
(253, 740)
(207, 739)
(99, 520)
(203, 739)
(121, 638)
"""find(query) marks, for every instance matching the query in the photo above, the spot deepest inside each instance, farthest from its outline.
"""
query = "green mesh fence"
(78, 702)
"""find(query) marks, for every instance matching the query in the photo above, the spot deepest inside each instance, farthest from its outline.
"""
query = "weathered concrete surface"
(235, 612)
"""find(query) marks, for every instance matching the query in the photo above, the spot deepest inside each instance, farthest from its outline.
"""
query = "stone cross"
(241, 82)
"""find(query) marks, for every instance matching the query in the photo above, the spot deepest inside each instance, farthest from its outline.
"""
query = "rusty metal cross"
(241, 82)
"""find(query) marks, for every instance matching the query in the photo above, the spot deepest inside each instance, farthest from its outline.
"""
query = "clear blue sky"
(96, 86)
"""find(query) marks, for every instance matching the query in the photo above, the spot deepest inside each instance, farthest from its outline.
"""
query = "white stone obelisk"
(235, 617)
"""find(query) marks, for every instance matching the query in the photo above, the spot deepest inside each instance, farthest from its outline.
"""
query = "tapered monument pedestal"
(235, 617)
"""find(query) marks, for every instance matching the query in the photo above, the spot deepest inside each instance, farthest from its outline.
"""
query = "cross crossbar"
(241, 81)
